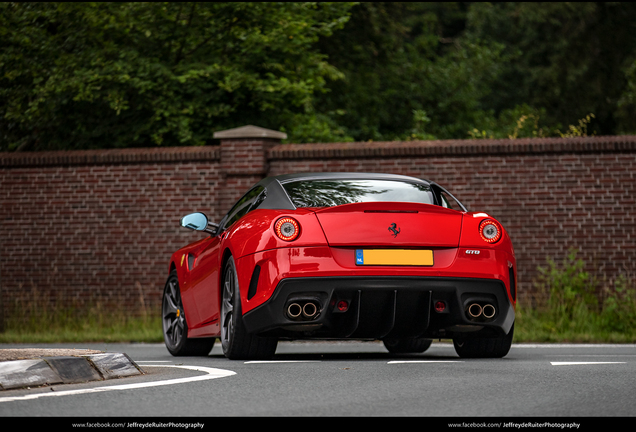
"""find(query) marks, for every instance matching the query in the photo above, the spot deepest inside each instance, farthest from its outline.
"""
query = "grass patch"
(538, 326)
(53, 324)
(133, 330)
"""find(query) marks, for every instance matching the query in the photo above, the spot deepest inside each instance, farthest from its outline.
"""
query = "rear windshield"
(330, 193)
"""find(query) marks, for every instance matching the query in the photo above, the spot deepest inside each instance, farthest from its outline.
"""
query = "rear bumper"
(383, 307)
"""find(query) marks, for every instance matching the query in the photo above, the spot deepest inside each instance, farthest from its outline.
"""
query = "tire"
(405, 346)
(495, 347)
(175, 327)
(237, 343)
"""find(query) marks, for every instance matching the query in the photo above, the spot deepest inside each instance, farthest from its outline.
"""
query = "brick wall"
(99, 226)
(550, 194)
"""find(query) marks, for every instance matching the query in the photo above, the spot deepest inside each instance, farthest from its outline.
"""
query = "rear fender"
(472, 246)
(470, 237)
(255, 232)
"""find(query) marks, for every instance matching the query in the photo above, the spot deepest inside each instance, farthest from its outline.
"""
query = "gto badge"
(472, 252)
(394, 229)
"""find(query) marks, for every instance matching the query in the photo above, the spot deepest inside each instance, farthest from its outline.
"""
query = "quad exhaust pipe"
(303, 310)
(310, 310)
(294, 310)
(488, 311)
(475, 310)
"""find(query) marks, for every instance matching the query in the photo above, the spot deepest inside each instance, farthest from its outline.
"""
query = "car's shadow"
(353, 356)
(362, 356)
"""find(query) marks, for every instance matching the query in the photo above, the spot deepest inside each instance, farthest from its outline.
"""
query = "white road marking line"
(562, 345)
(281, 361)
(211, 373)
(423, 361)
(583, 363)
(592, 355)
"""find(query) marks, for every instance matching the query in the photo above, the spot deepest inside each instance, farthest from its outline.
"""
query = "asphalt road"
(349, 379)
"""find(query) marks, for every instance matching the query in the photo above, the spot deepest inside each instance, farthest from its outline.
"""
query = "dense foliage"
(456, 70)
(82, 75)
(100, 75)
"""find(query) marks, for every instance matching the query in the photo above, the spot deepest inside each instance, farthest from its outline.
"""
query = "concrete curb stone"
(67, 369)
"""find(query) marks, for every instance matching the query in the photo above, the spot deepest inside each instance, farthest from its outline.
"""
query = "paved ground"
(564, 383)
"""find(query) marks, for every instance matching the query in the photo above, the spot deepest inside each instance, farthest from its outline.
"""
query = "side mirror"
(198, 222)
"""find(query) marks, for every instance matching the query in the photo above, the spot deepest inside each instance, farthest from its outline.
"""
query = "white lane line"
(592, 355)
(280, 361)
(583, 363)
(562, 345)
(211, 373)
(423, 361)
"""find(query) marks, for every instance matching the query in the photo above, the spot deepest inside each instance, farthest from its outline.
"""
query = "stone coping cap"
(249, 131)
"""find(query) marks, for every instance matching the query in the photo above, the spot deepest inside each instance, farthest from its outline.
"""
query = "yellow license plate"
(394, 257)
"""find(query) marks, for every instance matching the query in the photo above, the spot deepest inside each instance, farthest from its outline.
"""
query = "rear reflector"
(343, 305)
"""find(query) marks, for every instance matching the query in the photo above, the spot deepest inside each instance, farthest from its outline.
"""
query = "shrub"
(571, 307)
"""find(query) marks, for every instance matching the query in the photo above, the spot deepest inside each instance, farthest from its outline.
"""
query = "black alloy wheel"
(175, 327)
(237, 343)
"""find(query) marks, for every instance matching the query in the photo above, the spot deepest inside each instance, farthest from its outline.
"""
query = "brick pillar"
(243, 162)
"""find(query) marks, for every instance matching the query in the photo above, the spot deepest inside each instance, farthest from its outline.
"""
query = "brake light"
(490, 231)
(287, 229)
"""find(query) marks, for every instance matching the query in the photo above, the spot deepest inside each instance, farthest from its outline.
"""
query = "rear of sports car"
(392, 265)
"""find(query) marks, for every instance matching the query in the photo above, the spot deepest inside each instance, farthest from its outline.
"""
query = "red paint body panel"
(367, 224)
(255, 232)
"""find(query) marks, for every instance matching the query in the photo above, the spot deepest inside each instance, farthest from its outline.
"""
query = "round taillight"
(490, 231)
(287, 229)
(440, 306)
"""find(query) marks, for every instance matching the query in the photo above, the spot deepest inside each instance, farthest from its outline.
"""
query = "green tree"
(99, 75)
(408, 73)
(482, 69)
(568, 59)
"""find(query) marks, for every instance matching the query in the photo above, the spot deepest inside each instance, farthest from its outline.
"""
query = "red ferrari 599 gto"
(342, 256)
